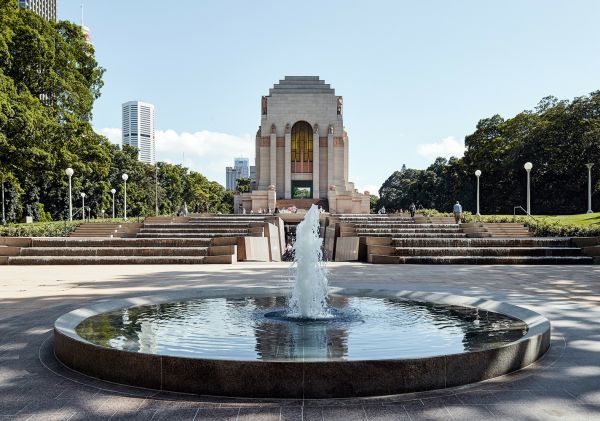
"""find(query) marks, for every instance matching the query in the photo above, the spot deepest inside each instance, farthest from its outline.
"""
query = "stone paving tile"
(413, 404)
(348, 413)
(546, 412)
(143, 415)
(184, 414)
(435, 413)
(291, 413)
(161, 404)
(441, 401)
(477, 397)
(89, 416)
(47, 416)
(386, 412)
(12, 407)
(469, 412)
(259, 414)
(312, 414)
(217, 414)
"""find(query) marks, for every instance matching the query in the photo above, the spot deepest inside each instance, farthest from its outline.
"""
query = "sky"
(416, 76)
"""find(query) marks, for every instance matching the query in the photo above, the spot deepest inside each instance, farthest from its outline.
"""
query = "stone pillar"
(272, 197)
(273, 157)
(330, 157)
(288, 163)
(346, 146)
(257, 158)
(316, 175)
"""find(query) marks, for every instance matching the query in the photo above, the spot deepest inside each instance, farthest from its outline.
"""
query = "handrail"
(526, 213)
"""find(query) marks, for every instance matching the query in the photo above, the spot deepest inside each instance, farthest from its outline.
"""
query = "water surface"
(364, 328)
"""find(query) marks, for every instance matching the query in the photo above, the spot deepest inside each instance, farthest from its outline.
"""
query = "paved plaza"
(564, 384)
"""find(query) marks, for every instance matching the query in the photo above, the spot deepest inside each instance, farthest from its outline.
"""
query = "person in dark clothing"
(412, 209)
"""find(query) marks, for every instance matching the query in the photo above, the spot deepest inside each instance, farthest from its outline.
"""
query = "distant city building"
(240, 169)
(44, 8)
(253, 172)
(138, 129)
(87, 34)
(231, 175)
(242, 164)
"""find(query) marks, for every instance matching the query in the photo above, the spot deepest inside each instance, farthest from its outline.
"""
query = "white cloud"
(114, 135)
(203, 151)
(371, 188)
(447, 147)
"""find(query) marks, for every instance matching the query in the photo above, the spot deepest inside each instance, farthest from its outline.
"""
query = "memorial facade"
(302, 150)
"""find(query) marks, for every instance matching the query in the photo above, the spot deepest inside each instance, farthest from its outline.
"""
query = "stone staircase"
(104, 251)
(504, 229)
(106, 229)
(401, 239)
(159, 240)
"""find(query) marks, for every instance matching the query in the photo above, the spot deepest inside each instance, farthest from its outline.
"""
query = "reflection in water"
(299, 339)
(251, 329)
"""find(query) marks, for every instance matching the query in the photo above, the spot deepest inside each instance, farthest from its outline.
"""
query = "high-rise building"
(44, 8)
(138, 129)
(231, 175)
(242, 164)
(240, 169)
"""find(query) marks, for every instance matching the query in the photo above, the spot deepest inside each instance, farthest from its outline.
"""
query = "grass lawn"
(582, 220)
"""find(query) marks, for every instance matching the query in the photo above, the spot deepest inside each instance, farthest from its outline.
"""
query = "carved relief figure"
(340, 105)
(288, 128)
(316, 130)
(264, 105)
(330, 130)
(273, 129)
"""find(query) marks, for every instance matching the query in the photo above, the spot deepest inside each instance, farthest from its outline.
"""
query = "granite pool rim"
(297, 378)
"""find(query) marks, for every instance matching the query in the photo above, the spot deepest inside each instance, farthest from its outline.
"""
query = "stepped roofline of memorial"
(301, 85)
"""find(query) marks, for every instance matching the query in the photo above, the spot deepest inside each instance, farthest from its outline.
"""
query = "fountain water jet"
(309, 296)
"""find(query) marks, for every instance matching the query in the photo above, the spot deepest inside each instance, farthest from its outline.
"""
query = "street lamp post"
(528, 166)
(125, 177)
(156, 188)
(478, 174)
(69, 172)
(113, 191)
(3, 212)
(83, 206)
(589, 167)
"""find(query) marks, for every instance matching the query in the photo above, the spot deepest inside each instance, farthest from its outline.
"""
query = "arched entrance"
(302, 159)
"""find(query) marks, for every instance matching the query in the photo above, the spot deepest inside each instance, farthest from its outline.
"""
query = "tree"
(243, 185)
(49, 80)
(558, 137)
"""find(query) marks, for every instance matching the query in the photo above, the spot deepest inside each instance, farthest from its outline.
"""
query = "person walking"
(457, 210)
(412, 209)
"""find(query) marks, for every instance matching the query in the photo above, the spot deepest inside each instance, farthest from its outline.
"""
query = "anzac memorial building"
(302, 151)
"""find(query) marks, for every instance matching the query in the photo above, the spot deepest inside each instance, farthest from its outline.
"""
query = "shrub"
(45, 229)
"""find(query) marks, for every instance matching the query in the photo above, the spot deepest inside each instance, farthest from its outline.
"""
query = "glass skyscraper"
(44, 8)
(138, 129)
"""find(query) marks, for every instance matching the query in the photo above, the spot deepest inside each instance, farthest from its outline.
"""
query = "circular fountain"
(316, 342)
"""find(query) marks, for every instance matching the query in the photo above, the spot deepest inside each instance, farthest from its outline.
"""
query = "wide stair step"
(188, 235)
(399, 230)
(487, 251)
(119, 242)
(199, 230)
(108, 260)
(420, 235)
(481, 242)
(114, 251)
(483, 260)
